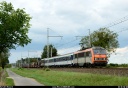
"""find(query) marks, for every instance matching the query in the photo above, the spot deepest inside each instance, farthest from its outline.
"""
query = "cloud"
(70, 18)
(120, 56)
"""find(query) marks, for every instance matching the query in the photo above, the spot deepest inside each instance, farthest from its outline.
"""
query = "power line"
(69, 48)
(67, 43)
(117, 22)
(54, 31)
(122, 31)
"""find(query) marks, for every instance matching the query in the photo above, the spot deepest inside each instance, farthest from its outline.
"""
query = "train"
(90, 57)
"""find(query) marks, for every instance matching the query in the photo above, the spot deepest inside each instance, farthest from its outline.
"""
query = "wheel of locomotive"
(88, 65)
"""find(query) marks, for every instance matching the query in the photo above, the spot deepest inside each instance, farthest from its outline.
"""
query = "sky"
(71, 18)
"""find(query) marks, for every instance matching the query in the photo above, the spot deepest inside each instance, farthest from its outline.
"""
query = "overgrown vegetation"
(8, 81)
(117, 65)
(61, 78)
(5, 80)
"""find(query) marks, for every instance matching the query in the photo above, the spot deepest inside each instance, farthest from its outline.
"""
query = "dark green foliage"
(8, 66)
(14, 25)
(113, 65)
(44, 53)
(102, 37)
(4, 58)
(117, 65)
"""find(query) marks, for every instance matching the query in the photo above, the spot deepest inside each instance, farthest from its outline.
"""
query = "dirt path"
(22, 81)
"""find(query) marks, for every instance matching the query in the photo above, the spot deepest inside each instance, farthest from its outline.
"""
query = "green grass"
(61, 78)
(8, 81)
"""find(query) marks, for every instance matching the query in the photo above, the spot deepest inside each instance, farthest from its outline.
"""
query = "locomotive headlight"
(96, 58)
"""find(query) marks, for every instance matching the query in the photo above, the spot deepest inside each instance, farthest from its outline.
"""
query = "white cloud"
(120, 56)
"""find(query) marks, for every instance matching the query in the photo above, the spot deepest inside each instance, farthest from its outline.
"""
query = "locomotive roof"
(97, 47)
(89, 48)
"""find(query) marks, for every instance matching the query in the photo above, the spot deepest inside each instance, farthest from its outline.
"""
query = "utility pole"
(28, 58)
(48, 41)
(51, 51)
(90, 39)
(81, 37)
(21, 59)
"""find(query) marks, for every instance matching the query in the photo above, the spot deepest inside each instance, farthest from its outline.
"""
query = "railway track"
(104, 71)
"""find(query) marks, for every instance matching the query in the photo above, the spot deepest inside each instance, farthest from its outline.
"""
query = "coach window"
(58, 59)
(68, 58)
(75, 55)
(61, 58)
(64, 58)
(81, 54)
(52, 60)
(55, 60)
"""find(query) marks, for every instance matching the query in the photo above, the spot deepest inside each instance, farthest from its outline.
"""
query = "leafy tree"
(44, 53)
(102, 37)
(14, 26)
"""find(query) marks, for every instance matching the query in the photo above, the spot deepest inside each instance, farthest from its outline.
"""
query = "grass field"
(5, 81)
(61, 78)
(8, 81)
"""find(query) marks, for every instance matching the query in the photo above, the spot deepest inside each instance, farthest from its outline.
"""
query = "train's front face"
(99, 56)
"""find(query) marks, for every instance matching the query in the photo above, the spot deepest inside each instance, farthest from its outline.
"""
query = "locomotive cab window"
(99, 51)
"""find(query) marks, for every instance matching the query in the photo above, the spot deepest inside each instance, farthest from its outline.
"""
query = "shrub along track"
(105, 71)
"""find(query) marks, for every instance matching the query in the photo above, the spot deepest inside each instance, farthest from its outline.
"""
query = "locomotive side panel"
(81, 59)
(88, 56)
(75, 59)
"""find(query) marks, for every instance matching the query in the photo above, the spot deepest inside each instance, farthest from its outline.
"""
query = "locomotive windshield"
(99, 51)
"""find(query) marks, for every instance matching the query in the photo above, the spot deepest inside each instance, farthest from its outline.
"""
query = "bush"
(8, 66)
(123, 65)
(20, 68)
(117, 65)
(46, 69)
(0, 68)
(113, 65)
